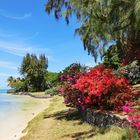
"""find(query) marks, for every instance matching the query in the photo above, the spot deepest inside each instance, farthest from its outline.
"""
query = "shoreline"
(57, 122)
(36, 113)
(41, 96)
(14, 126)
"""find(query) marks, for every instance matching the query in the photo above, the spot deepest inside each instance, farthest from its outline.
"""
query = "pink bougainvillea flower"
(127, 109)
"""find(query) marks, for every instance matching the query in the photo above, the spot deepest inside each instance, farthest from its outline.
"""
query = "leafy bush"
(74, 67)
(52, 79)
(69, 77)
(131, 72)
(98, 88)
(53, 91)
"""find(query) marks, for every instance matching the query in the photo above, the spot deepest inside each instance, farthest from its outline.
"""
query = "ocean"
(3, 91)
(15, 110)
(8, 104)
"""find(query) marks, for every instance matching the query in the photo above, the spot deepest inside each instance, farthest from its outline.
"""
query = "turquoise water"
(8, 103)
(15, 112)
(3, 91)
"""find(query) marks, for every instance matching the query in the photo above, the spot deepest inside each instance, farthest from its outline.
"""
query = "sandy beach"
(17, 118)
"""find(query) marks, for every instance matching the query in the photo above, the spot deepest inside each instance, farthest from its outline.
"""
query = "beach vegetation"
(35, 77)
(33, 69)
(52, 79)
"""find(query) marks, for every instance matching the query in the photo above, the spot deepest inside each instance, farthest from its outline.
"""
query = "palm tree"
(10, 80)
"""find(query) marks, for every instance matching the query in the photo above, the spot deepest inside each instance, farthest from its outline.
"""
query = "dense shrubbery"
(52, 79)
(132, 73)
(102, 89)
(98, 88)
(69, 78)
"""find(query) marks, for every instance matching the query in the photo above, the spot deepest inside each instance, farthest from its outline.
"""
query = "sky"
(26, 28)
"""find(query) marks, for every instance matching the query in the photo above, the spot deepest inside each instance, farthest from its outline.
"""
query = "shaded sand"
(16, 118)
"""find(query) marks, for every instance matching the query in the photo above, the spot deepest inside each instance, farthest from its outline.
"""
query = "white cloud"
(9, 15)
(8, 65)
(21, 49)
(6, 75)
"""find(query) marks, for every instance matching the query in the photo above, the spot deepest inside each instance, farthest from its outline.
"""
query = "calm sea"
(7, 103)
(3, 91)
(14, 111)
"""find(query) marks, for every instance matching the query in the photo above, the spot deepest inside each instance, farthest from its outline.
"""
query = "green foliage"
(35, 75)
(131, 72)
(74, 66)
(105, 20)
(52, 79)
(33, 70)
(53, 91)
(113, 57)
(131, 134)
(17, 84)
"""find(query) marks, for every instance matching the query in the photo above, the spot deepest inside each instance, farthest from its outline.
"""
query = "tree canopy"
(106, 20)
(18, 84)
(33, 70)
(52, 79)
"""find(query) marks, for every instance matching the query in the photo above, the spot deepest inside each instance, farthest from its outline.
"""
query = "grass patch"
(59, 123)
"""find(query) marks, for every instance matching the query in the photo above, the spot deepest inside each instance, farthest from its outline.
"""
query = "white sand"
(13, 125)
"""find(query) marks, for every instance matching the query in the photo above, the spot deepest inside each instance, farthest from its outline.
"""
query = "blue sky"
(25, 27)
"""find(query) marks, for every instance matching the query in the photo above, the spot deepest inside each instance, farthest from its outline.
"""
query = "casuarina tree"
(103, 20)
(34, 70)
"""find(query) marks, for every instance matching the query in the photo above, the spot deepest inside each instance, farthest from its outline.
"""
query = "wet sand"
(15, 119)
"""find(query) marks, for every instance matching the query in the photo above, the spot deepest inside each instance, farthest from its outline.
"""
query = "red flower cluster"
(99, 88)
(102, 89)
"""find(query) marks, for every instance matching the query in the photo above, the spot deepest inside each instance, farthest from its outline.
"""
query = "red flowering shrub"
(102, 89)
(72, 97)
